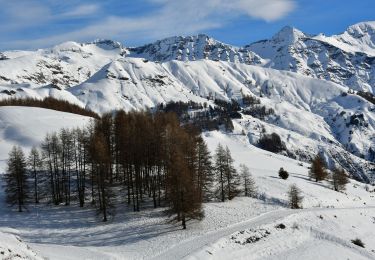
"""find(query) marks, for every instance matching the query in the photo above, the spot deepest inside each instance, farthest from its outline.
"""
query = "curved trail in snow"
(187, 247)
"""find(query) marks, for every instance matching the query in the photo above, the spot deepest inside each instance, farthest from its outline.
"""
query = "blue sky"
(30, 24)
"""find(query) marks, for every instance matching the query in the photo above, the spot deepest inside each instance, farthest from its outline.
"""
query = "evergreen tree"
(16, 178)
(226, 174)
(250, 189)
(34, 162)
(220, 160)
(204, 168)
(232, 178)
(295, 197)
(339, 179)
(318, 171)
(283, 174)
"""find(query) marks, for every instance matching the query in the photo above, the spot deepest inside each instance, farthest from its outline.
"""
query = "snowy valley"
(70, 232)
(315, 92)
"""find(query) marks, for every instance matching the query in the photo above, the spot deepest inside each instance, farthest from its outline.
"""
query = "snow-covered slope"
(12, 247)
(359, 37)
(325, 234)
(61, 232)
(27, 127)
(347, 59)
(311, 115)
(64, 65)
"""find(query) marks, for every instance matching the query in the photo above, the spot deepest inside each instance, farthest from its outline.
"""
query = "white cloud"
(268, 10)
(82, 10)
(171, 17)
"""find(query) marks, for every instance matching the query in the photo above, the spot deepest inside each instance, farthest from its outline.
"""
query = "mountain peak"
(185, 39)
(107, 44)
(193, 48)
(288, 34)
(361, 29)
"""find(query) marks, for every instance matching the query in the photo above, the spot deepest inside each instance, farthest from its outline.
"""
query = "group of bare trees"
(59, 165)
(133, 158)
(318, 172)
(16, 186)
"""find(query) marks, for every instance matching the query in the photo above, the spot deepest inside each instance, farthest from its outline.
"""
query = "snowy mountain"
(64, 65)
(309, 82)
(311, 115)
(347, 59)
(313, 112)
(194, 48)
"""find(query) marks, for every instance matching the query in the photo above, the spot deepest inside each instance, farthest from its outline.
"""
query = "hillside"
(66, 232)
(12, 247)
(187, 130)
(27, 127)
(311, 115)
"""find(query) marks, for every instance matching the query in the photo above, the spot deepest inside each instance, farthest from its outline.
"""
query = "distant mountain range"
(347, 59)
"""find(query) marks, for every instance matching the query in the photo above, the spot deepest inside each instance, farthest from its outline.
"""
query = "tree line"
(134, 158)
(49, 103)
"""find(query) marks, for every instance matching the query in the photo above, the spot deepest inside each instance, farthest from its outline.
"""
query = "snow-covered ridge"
(362, 34)
(347, 58)
(193, 48)
(63, 65)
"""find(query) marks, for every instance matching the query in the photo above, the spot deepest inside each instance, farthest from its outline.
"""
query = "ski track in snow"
(185, 248)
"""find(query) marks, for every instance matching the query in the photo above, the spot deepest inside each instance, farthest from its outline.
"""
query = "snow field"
(70, 232)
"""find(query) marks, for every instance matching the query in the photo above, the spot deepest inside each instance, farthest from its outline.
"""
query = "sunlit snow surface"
(72, 232)
(311, 115)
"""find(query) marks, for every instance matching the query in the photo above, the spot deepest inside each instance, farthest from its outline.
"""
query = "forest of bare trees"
(140, 159)
(135, 158)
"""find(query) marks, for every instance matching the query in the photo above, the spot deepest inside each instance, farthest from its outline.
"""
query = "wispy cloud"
(169, 17)
(81, 10)
(22, 14)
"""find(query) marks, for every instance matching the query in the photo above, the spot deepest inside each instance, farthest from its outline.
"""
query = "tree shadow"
(72, 225)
